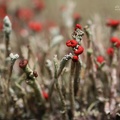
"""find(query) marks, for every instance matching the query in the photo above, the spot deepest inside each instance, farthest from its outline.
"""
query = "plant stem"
(71, 87)
(64, 112)
(77, 77)
(7, 42)
(114, 83)
(10, 74)
(35, 85)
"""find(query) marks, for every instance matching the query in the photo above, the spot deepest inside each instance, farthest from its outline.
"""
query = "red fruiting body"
(35, 26)
(113, 23)
(39, 4)
(45, 95)
(3, 10)
(35, 73)
(23, 63)
(24, 14)
(71, 43)
(79, 50)
(78, 26)
(114, 39)
(76, 16)
(118, 44)
(110, 51)
(100, 59)
(75, 58)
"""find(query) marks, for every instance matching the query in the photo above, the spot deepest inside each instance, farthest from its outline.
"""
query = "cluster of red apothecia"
(23, 14)
(115, 42)
(77, 48)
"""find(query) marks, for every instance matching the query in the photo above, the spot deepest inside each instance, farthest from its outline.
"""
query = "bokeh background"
(86, 8)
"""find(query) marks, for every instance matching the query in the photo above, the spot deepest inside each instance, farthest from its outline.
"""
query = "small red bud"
(45, 95)
(35, 26)
(71, 43)
(112, 23)
(114, 39)
(110, 51)
(75, 58)
(100, 59)
(78, 26)
(79, 50)
(35, 73)
(23, 63)
(118, 44)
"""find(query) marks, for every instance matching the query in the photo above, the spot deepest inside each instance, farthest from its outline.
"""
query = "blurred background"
(86, 8)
